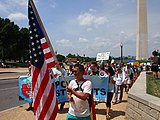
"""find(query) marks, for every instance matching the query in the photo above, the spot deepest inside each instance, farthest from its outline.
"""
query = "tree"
(60, 58)
(9, 33)
(23, 44)
(71, 56)
(13, 41)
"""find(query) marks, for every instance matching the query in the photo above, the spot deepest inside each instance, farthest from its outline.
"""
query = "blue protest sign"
(25, 84)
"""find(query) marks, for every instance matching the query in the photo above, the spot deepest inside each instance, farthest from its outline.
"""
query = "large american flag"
(44, 96)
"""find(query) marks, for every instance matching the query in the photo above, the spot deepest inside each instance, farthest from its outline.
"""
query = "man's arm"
(82, 96)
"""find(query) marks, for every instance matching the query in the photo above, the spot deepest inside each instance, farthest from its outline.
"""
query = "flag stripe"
(35, 73)
(38, 74)
(47, 104)
(44, 96)
(53, 114)
(41, 90)
(50, 62)
(48, 56)
(45, 45)
(46, 93)
(47, 50)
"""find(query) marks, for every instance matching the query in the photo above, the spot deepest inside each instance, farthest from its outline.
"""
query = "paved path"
(20, 113)
(8, 73)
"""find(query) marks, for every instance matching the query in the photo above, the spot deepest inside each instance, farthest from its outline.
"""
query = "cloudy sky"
(89, 26)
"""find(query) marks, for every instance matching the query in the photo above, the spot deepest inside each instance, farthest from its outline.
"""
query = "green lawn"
(153, 85)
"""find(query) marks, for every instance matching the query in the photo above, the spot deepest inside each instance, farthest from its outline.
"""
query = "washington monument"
(142, 32)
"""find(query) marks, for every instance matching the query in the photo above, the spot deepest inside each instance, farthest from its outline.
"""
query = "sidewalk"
(20, 113)
(13, 73)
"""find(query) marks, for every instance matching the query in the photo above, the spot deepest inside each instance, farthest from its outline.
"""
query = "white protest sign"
(103, 56)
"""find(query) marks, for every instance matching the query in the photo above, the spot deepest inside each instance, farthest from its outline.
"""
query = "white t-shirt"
(120, 79)
(58, 72)
(80, 108)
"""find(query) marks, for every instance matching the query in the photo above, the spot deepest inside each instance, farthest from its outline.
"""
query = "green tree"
(23, 44)
(13, 41)
(9, 35)
(71, 56)
(60, 58)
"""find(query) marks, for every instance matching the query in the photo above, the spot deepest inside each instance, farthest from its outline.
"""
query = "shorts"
(71, 117)
(154, 67)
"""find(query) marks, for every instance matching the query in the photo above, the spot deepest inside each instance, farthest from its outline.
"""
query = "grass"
(153, 85)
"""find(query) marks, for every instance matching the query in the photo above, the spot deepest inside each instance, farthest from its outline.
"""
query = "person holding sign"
(79, 91)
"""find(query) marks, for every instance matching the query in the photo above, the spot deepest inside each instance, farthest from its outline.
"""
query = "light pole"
(121, 47)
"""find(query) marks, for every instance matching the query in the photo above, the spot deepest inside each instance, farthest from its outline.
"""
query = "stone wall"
(140, 105)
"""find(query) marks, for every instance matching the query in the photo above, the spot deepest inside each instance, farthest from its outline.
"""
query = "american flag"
(44, 96)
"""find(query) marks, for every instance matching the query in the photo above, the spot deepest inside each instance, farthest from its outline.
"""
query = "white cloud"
(64, 42)
(92, 10)
(155, 39)
(52, 3)
(116, 45)
(17, 16)
(100, 20)
(18, 2)
(2, 6)
(99, 44)
(157, 36)
(89, 29)
(87, 19)
(83, 40)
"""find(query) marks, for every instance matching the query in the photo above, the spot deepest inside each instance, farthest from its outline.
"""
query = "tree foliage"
(13, 41)
(60, 58)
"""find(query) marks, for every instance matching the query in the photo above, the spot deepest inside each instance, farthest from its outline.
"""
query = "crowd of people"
(120, 77)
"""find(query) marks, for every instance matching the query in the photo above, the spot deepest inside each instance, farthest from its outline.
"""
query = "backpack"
(80, 88)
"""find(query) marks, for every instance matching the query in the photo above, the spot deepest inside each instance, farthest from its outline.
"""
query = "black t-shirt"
(111, 71)
(95, 72)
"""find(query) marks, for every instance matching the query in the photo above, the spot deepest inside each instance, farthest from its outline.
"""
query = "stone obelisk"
(142, 32)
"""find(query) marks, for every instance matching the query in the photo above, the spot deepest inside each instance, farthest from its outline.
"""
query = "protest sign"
(99, 85)
(102, 56)
(25, 83)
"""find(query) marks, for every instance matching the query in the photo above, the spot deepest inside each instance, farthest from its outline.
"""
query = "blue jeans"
(117, 87)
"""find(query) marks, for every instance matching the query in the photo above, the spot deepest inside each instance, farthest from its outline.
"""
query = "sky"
(88, 27)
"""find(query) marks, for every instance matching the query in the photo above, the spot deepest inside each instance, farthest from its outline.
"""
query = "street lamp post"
(121, 47)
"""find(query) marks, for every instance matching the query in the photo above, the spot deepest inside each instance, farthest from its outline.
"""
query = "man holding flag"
(79, 92)
(42, 59)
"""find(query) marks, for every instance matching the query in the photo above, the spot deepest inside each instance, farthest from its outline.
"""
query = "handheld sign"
(103, 56)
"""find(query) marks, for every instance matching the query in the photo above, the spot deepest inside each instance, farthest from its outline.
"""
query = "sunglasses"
(74, 71)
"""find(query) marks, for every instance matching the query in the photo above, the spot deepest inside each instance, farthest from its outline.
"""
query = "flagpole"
(47, 38)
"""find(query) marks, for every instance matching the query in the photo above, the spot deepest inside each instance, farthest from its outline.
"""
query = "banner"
(99, 85)
(25, 83)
